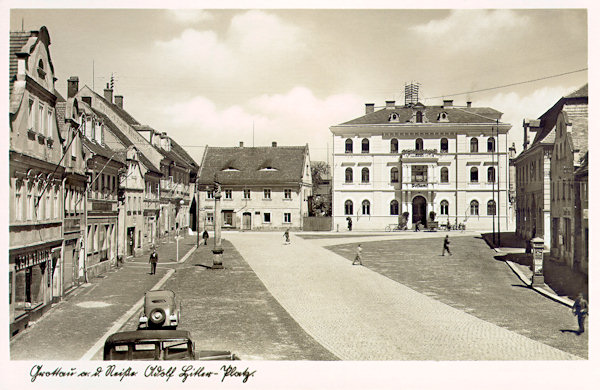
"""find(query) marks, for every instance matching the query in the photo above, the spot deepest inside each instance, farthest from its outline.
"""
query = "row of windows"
(210, 218)
(474, 145)
(530, 172)
(562, 189)
(100, 237)
(287, 194)
(40, 118)
(420, 175)
(104, 186)
(394, 207)
(27, 193)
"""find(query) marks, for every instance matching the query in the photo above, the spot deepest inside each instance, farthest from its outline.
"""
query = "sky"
(220, 76)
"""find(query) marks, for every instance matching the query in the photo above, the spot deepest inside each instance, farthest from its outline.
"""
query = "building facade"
(419, 159)
(570, 146)
(35, 180)
(263, 188)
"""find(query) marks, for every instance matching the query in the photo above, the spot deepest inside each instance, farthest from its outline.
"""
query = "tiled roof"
(548, 119)
(61, 108)
(18, 39)
(126, 141)
(103, 151)
(245, 166)
(182, 152)
(583, 167)
(455, 115)
(579, 128)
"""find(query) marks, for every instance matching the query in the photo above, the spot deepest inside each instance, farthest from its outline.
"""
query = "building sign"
(102, 206)
(32, 258)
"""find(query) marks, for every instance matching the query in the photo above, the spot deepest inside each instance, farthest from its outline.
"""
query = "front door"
(247, 221)
(419, 210)
(130, 240)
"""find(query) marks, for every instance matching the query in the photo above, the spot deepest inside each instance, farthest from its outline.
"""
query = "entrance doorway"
(247, 221)
(130, 241)
(419, 210)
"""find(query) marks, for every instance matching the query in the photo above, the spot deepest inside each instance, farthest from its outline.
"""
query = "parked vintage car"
(158, 345)
(161, 310)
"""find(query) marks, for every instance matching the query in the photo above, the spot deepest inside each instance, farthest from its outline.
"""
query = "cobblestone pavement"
(230, 309)
(359, 314)
(474, 281)
(72, 326)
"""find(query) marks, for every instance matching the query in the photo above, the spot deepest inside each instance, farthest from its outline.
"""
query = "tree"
(319, 171)
(321, 199)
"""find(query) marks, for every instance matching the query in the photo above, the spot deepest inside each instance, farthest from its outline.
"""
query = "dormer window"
(268, 169)
(41, 71)
(230, 169)
(443, 117)
(393, 117)
(419, 117)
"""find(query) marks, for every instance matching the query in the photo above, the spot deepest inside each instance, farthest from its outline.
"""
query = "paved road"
(359, 314)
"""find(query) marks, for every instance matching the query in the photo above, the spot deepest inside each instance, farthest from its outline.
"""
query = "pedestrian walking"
(446, 246)
(153, 261)
(417, 227)
(580, 309)
(358, 257)
(287, 236)
(205, 236)
(349, 223)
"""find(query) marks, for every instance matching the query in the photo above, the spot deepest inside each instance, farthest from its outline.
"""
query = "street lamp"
(218, 249)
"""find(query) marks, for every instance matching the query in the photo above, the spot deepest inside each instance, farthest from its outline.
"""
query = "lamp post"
(218, 249)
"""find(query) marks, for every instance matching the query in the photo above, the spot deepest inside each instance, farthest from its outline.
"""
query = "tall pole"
(498, 159)
(197, 213)
(496, 205)
(218, 248)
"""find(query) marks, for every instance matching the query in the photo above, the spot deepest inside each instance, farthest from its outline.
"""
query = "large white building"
(417, 159)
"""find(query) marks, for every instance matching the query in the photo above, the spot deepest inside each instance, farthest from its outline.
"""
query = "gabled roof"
(18, 39)
(103, 151)
(455, 115)
(126, 141)
(249, 166)
(548, 119)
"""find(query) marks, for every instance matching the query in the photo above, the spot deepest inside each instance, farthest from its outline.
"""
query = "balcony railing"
(419, 152)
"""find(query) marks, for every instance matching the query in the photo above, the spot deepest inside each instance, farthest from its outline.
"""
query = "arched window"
(419, 117)
(364, 177)
(444, 207)
(394, 207)
(394, 145)
(444, 145)
(474, 207)
(394, 175)
(419, 144)
(365, 145)
(366, 207)
(474, 175)
(491, 208)
(474, 145)
(491, 144)
(349, 175)
(348, 207)
(491, 175)
(444, 175)
(348, 145)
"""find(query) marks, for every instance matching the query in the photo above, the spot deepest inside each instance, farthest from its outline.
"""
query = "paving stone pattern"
(476, 281)
(359, 314)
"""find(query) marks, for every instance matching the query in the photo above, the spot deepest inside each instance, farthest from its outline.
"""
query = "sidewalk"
(562, 283)
(84, 317)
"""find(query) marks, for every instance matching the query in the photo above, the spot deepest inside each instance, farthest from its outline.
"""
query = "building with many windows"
(35, 180)
(263, 188)
(416, 159)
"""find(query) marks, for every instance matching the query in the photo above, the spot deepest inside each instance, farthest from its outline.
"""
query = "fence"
(317, 224)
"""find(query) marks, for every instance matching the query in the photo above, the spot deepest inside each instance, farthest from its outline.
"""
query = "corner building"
(412, 158)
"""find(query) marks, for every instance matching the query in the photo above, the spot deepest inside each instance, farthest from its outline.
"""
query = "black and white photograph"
(316, 195)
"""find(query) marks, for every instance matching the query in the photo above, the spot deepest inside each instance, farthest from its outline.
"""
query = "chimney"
(468, 104)
(390, 104)
(119, 101)
(369, 108)
(241, 144)
(108, 93)
(274, 144)
(72, 86)
(448, 103)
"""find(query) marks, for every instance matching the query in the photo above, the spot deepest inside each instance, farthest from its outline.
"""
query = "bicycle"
(394, 227)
